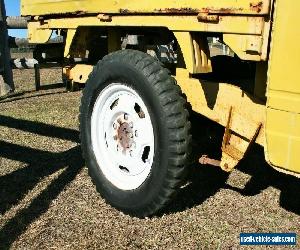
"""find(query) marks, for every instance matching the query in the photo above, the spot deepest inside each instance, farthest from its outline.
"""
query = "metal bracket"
(234, 147)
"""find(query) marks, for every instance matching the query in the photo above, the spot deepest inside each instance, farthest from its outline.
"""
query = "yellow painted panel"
(230, 24)
(283, 139)
(285, 56)
(247, 47)
(214, 101)
(44, 7)
(36, 35)
(283, 106)
(294, 153)
(80, 73)
(282, 100)
(185, 41)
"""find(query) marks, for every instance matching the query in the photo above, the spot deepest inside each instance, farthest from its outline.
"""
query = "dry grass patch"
(47, 200)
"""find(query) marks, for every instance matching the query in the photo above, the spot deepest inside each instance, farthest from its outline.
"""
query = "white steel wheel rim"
(122, 136)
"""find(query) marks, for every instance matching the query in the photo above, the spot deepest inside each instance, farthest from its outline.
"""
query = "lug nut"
(131, 124)
(125, 116)
(136, 133)
(115, 126)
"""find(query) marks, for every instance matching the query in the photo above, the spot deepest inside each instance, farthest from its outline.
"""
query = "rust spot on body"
(80, 13)
(124, 11)
(257, 7)
(165, 10)
(221, 10)
(177, 11)
(205, 17)
(127, 11)
(104, 18)
(205, 160)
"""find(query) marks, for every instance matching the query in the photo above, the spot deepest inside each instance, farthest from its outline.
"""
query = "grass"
(47, 200)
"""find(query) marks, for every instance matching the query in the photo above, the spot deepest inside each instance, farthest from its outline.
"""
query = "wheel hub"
(122, 136)
(125, 135)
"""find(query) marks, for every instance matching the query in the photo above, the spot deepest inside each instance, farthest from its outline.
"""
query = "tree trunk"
(7, 83)
(4, 88)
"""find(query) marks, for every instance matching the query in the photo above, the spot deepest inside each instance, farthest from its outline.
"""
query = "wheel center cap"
(125, 135)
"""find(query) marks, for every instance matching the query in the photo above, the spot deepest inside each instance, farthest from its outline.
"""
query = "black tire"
(171, 126)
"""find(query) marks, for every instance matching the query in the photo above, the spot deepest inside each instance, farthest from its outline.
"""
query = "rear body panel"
(46, 7)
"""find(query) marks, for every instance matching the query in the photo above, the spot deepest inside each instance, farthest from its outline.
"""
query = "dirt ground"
(47, 200)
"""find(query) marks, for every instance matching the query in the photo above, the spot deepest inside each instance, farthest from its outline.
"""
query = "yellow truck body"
(264, 31)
